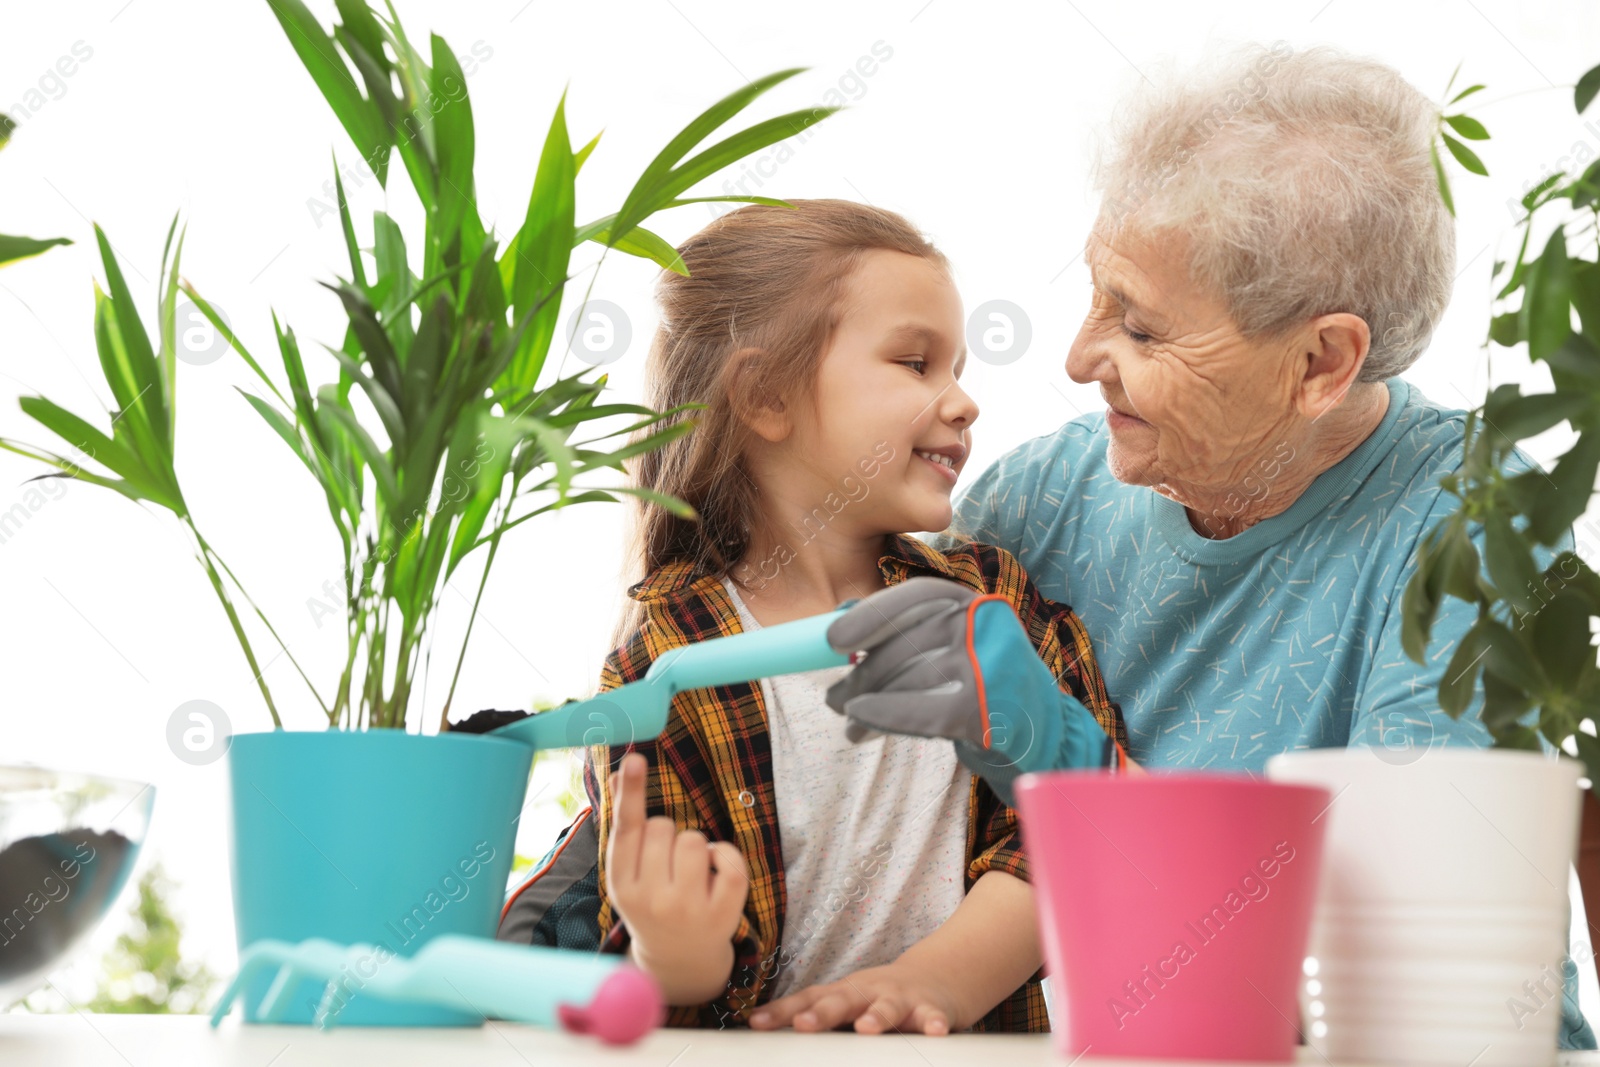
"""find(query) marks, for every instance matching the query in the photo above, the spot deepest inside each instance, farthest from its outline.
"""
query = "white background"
(977, 127)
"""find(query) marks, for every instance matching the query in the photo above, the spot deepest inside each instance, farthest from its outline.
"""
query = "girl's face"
(887, 432)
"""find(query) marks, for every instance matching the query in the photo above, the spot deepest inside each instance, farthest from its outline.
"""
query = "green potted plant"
(1443, 933)
(442, 433)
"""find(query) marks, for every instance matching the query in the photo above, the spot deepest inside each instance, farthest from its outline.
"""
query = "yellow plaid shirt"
(711, 768)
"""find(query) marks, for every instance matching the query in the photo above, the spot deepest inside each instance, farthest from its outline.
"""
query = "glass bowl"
(68, 842)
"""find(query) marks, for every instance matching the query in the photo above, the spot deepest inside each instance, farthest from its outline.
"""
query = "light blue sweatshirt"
(1222, 653)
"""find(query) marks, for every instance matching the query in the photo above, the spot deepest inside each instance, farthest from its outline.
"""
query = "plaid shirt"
(711, 768)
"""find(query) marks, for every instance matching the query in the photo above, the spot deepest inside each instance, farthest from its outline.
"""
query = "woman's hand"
(899, 997)
(680, 895)
(944, 661)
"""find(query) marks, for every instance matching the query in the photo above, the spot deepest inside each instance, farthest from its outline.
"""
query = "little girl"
(877, 882)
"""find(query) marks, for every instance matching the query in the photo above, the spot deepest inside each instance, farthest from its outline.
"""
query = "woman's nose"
(1086, 359)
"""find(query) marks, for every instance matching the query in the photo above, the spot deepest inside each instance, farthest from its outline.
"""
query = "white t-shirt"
(874, 834)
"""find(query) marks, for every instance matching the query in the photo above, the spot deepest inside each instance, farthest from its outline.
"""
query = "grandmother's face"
(1192, 403)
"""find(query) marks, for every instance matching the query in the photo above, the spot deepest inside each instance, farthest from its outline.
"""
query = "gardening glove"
(944, 661)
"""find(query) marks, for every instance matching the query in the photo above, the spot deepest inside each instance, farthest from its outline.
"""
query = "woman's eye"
(920, 366)
(1135, 336)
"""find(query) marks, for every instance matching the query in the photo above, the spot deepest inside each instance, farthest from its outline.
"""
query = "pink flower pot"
(1174, 909)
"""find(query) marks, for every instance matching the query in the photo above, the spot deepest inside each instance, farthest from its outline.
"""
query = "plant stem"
(206, 556)
(472, 617)
(262, 616)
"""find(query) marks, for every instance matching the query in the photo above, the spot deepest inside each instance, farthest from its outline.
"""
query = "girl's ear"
(753, 400)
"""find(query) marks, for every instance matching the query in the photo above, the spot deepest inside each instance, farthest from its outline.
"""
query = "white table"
(186, 1041)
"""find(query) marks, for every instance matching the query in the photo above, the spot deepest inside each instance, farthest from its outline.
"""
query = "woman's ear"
(754, 402)
(1335, 351)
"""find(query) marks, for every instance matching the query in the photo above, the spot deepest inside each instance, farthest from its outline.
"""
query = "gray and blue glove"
(944, 661)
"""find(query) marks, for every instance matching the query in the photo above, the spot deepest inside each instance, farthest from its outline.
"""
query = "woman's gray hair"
(1304, 184)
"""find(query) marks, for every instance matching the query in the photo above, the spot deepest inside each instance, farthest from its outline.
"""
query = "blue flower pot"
(378, 837)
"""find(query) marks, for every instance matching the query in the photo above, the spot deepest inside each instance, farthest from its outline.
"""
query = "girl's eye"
(919, 366)
(1135, 336)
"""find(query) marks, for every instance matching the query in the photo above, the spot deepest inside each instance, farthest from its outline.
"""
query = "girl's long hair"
(766, 283)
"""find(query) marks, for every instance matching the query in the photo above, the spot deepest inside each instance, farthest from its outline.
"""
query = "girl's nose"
(958, 408)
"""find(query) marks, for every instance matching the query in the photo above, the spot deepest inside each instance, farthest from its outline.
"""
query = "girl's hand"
(896, 997)
(680, 896)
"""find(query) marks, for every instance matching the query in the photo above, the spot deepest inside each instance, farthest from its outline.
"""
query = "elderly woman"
(1237, 529)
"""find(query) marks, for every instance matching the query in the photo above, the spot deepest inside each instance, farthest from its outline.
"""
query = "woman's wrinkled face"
(888, 426)
(1191, 402)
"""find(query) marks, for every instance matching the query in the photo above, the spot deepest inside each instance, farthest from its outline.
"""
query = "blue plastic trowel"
(638, 711)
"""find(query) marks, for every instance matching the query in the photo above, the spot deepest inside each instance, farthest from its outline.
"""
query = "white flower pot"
(1442, 916)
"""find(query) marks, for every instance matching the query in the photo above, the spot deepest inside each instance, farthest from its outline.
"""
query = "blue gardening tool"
(638, 711)
(584, 993)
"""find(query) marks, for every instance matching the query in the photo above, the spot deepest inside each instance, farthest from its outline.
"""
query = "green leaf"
(375, 343)
(392, 287)
(132, 420)
(1520, 268)
(646, 245)
(1547, 307)
(1529, 415)
(1583, 93)
(1420, 604)
(168, 325)
(1458, 558)
(1503, 704)
(1511, 658)
(358, 274)
(1463, 94)
(15, 248)
(363, 27)
(670, 503)
(543, 249)
(765, 201)
(636, 207)
(1585, 295)
(454, 140)
(1506, 330)
(1442, 179)
(330, 407)
(1562, 639)
(1464, 155)
(358, 116)
(736, 147)
(216, 320)
(1467, 127)
(6, 126)
(70, 469)
(387, 407)
(93, 444)
(1509, 561)
(583, 153)
(283, 428)
(1460, 680)
(1567, 491)
(1576, 364)
(1541, 194)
